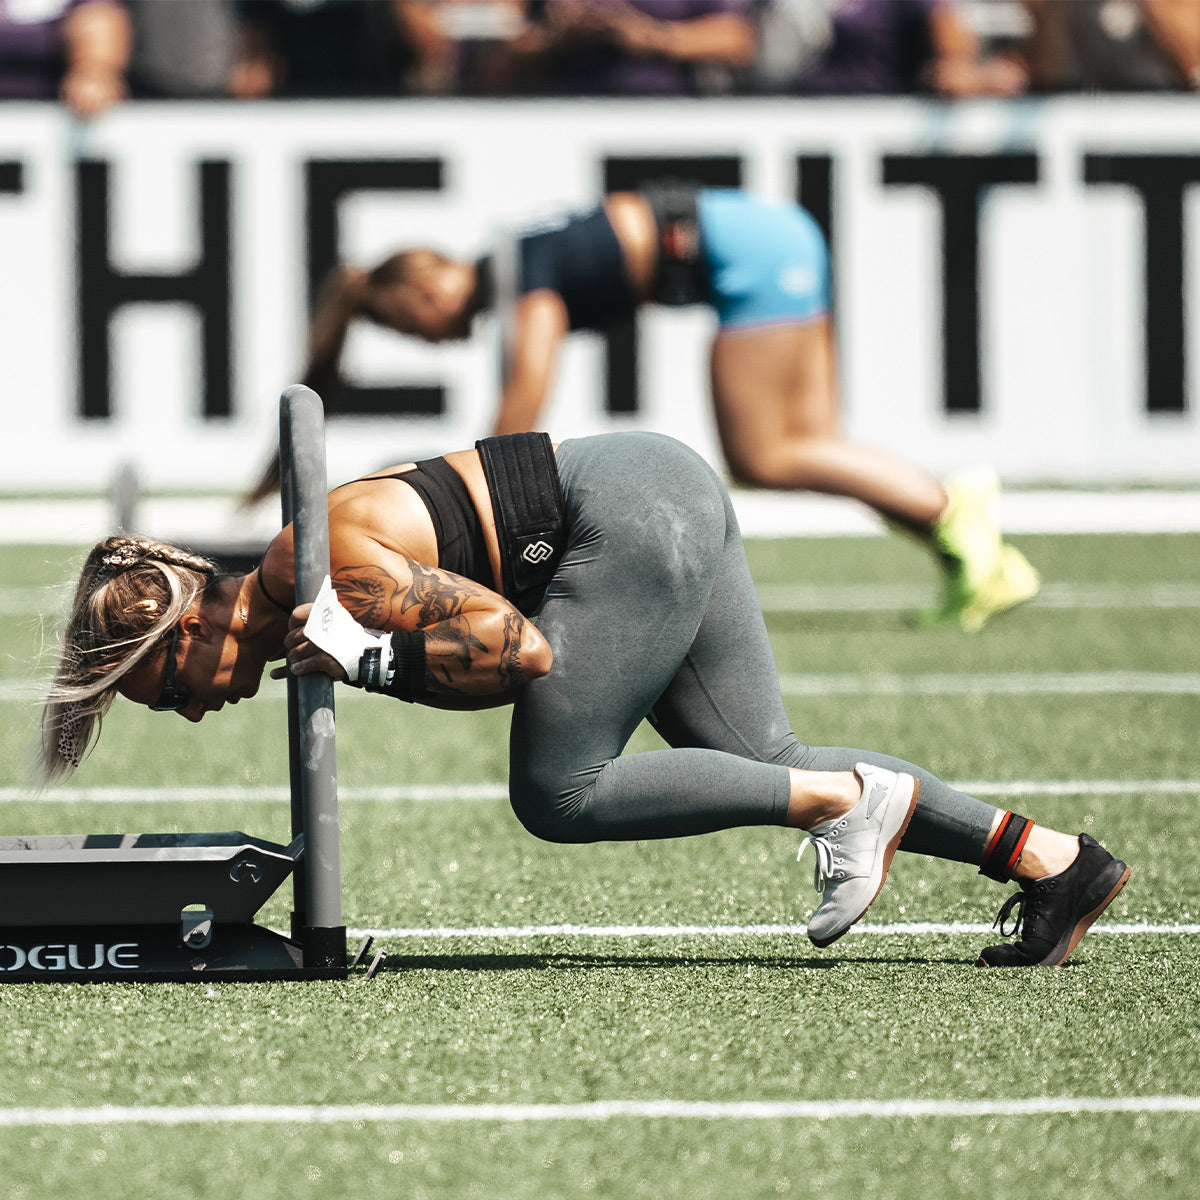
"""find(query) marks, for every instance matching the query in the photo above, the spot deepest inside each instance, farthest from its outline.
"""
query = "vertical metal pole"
(317, 920)
(295, 758)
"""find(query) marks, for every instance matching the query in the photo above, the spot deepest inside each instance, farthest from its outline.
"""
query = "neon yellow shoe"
(984, 575)
(1012, 582)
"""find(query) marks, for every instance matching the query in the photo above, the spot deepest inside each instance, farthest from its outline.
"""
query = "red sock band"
(1003, 849)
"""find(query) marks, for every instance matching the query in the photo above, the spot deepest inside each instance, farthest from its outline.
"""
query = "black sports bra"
(461, 545)
(456, 525)
(580, 259)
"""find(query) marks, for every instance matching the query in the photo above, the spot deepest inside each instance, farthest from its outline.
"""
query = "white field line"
(1014, 683)
(493, 791)
(633, 932)
(832, 597)
(19, 601)
(1007, 683)
(81, 520)
(596, 1110)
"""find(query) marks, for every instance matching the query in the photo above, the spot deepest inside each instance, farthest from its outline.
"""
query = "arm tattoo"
(437, 598)
(455, 642)
(511, 674)
(372, 595)
(368, 592)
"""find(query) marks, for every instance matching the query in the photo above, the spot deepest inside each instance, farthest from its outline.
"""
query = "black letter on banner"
(960, 181)
(627, 175)
(103, 289)
(327, 181)
(814, 193)
(1160, 179)
(12, 178)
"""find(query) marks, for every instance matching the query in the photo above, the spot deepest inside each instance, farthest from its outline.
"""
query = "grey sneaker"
(854, 852)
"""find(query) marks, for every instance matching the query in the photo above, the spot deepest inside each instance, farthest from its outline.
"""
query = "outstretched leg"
(775, 400)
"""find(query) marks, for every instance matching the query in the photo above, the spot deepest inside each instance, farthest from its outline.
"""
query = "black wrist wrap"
(1001, 854)
(369, 669)
(527, 502)
(407, 670)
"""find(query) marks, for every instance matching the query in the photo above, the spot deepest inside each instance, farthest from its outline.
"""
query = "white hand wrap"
(332, 629)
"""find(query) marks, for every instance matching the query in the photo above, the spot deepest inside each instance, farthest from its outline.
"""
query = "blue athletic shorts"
(768, 263)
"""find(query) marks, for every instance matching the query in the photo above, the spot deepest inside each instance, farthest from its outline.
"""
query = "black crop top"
(580, 259)
(456, 525)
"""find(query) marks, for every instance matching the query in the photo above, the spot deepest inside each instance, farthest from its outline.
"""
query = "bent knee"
(558, 818)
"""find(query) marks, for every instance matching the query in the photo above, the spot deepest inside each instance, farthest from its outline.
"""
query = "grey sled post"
(317, 916)
(181, 906)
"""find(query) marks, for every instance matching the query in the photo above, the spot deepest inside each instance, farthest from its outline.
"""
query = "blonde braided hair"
(132, 592)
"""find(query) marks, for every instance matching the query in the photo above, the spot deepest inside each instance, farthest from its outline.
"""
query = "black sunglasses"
(171, 698)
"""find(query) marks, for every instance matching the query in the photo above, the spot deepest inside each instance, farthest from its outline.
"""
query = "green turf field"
(648, 1020)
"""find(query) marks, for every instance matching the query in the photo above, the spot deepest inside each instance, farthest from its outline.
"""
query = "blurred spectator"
(76, 51)
(469, 47)
(1000, 25)
(317, 48)
(887, 47)
(182, 49)
(1115, 45)
(791, 35)
(645, 47)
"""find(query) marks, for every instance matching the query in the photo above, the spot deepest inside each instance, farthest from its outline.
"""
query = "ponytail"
(343, 296)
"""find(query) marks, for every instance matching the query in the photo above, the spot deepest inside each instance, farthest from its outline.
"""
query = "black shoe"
(1057, 912)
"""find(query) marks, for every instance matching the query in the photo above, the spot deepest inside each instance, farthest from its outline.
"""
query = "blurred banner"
(1010, 278)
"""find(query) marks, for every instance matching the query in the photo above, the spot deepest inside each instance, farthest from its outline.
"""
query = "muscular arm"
(479, 650)
(531, 354)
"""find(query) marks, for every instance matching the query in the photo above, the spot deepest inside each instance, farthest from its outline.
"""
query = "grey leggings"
(652, 614)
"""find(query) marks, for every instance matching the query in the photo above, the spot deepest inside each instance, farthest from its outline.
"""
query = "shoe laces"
(829, 860)
(1028, 905)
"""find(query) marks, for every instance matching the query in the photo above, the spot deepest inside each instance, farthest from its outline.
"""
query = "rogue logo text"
(69, 956)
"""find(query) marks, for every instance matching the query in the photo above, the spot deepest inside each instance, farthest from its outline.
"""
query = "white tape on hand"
(332, 629)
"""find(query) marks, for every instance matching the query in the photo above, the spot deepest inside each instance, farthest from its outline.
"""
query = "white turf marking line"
(596, 1110)
(630, 932)
(79, 521)
(1010, 683)
(784, 597)
(487, 792)
(787, 597)
(1017, 683)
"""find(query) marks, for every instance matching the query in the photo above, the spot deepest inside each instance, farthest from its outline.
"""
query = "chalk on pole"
(317, 916)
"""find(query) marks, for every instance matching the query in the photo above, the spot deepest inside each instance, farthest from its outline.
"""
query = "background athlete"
(763, 268)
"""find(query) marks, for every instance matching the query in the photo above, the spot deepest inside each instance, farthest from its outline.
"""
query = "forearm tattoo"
(454, 641)
(511, 674)
(452, 648)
